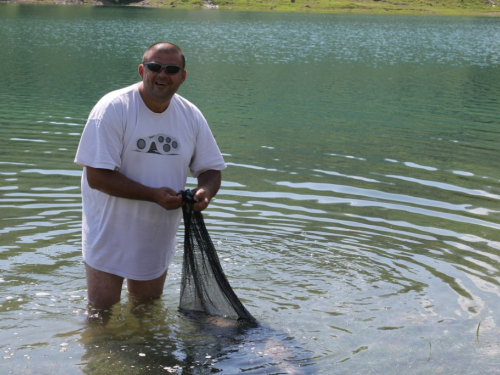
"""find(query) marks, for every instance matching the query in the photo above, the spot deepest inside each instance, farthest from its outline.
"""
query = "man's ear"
(141, 70)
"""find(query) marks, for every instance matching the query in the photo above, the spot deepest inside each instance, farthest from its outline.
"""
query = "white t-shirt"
(130, 238)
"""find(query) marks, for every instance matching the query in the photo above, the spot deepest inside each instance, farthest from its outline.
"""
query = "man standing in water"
(136, 149)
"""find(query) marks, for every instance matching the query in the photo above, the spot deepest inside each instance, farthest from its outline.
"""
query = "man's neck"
(154, 105)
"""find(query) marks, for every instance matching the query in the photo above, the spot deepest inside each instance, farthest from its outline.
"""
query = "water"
(358, 219)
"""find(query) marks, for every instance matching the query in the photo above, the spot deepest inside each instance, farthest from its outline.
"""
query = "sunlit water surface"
(358, 219)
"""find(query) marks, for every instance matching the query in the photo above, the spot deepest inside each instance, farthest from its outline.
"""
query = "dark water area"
(359, 215)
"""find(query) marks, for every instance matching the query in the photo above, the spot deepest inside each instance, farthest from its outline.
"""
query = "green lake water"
(359, 217)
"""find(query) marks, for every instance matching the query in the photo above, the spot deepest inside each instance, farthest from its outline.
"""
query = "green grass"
(403, 7)
(424, 7)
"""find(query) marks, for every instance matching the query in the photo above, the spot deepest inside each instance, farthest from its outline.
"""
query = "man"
(137, 147)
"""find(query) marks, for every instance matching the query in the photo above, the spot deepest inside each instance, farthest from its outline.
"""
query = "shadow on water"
(152, 339)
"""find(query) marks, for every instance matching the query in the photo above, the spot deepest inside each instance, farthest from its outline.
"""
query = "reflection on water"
(151, 338)
(358, 219)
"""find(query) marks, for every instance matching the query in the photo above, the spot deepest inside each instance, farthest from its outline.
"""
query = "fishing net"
(204, 287)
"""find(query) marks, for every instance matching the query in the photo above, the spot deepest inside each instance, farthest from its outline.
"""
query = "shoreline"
(472, 8)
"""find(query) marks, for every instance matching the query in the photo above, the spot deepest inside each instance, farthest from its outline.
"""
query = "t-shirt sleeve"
(101, 142)
(207, 155)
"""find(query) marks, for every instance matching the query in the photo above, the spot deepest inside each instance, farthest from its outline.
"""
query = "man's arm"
(208, 185)
(118, 185)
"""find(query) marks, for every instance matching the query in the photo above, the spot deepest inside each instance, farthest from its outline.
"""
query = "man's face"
(160, 87)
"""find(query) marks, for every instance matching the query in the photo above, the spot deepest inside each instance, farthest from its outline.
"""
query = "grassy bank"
(403, 7)
(438, 7)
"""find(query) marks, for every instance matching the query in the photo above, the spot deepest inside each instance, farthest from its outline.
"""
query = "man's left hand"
(208, 185)
(202, 200)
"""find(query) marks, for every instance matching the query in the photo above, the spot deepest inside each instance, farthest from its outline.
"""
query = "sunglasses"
(169, 69)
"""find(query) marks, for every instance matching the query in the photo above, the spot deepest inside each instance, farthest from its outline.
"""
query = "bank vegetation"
(403, 7)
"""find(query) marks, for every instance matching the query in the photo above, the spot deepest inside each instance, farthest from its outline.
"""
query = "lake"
(359, 216)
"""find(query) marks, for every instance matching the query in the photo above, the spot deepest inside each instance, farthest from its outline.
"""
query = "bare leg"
(147, 290)
(103, 289)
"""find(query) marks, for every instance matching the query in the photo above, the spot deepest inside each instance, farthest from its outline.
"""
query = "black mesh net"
(204, 287)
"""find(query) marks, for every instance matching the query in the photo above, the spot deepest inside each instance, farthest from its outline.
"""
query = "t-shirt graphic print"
(158, 144)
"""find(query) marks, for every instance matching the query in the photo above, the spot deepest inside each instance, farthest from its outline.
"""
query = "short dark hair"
(165, 47)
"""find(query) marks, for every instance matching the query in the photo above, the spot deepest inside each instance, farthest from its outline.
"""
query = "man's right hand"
(168, 198)
(118, 185)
